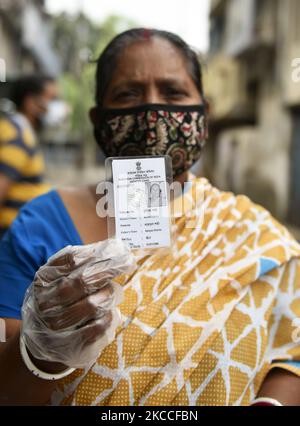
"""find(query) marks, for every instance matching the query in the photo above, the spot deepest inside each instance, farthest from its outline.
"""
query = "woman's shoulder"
(46, 207)
(74, 197)
(238, 215)
(44, 225)
(54, 202)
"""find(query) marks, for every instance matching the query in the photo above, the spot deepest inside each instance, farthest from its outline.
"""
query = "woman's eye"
(125, 95)
(175, 93)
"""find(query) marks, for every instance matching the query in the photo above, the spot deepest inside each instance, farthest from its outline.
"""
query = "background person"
(21, 161)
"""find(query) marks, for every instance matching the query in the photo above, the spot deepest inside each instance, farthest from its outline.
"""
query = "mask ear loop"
(206, 120)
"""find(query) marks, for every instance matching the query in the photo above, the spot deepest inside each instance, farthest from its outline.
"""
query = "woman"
(212, 323)
(155, 195)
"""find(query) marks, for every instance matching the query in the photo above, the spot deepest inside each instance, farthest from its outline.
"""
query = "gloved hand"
(70, 310)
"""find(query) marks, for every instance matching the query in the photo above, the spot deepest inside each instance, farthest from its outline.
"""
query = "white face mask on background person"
(57, 112)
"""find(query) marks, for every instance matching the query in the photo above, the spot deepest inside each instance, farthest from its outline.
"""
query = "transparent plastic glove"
(70, 310)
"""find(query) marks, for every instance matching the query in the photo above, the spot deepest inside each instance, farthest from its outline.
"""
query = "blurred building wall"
(25, 38)
(255, 104)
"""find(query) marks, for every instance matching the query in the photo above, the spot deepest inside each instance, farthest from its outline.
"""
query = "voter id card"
(141, 200)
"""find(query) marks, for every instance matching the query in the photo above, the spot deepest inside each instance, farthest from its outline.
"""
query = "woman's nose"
(153, 96)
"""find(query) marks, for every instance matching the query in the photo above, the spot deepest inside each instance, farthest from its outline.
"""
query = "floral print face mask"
(154, 129)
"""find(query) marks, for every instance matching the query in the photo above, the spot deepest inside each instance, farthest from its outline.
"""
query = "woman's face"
(151, 71)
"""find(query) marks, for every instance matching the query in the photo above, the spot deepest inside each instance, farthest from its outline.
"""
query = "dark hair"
(107, 60)
(27, 86)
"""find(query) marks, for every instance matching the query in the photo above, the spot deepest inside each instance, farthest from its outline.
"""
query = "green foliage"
(79, 42)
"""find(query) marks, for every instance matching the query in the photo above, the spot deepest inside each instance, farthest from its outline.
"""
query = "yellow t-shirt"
(22, 161)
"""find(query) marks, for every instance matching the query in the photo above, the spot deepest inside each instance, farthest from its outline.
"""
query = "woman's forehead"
(155, 58)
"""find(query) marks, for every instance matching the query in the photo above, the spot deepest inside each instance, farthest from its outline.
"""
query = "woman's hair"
(109, 57)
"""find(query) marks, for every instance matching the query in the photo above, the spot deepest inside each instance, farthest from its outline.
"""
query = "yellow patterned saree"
(204, 324)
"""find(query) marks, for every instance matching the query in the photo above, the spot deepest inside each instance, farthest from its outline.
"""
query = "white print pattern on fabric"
(202, 325)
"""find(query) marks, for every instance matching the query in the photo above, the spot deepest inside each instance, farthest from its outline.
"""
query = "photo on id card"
(140, 196)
